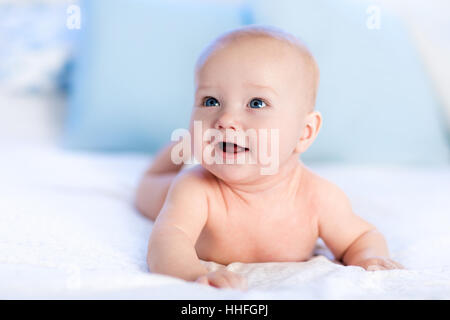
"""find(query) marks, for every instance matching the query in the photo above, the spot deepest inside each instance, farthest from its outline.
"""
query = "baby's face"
(259, 84)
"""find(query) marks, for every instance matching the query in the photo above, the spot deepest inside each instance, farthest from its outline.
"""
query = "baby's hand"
(223, 279)
(379, 263)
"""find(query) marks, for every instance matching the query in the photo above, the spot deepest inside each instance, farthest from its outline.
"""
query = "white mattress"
(68, 230)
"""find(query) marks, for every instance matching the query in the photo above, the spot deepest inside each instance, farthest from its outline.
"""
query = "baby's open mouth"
(231, 147)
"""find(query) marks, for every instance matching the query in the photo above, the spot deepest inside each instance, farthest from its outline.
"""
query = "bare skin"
(231, 213)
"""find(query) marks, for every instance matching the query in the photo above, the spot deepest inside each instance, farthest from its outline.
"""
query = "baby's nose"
(227, 121)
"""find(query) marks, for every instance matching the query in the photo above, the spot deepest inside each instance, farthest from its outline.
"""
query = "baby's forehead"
(258, 39)
(261, 46)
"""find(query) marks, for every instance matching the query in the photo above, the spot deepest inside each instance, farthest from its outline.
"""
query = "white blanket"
(68, 230)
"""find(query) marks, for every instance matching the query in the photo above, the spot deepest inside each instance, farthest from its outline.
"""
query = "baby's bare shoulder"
(322, 192)
(186, 205)
(193, 182)
(195, 175)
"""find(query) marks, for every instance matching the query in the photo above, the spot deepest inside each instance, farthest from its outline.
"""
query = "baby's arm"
(351, 239)
(154, 185)
(176, 230)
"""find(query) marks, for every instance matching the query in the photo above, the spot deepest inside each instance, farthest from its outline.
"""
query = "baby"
(258, 78)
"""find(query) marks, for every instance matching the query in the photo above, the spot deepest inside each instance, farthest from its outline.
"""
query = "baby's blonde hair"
(267, 32)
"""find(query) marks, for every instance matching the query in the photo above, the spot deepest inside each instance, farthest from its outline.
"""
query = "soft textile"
(68, 229)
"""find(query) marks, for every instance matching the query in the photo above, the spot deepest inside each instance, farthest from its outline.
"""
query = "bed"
(68, 230)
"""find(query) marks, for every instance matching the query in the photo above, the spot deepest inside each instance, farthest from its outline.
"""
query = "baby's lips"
(239, 138)
(241, 145)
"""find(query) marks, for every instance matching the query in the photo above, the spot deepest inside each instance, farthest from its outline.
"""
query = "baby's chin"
(234, 173)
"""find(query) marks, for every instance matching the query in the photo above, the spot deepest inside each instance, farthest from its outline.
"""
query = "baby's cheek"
(264, 144)
(287, 142)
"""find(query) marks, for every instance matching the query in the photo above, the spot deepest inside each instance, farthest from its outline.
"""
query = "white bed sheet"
(68, 230)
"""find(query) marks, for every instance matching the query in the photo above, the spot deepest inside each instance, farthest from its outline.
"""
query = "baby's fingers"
(223, 279)
(389, 264)
(213, 280)
(376, 267)
(237, 281)
(202, 280)
(219, 281)
(384, 264)
(396, 265)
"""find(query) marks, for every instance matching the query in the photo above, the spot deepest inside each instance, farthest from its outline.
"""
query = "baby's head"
(260, 79)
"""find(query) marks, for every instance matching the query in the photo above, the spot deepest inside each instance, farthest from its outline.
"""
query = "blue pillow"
(375, 98)
(133, 78)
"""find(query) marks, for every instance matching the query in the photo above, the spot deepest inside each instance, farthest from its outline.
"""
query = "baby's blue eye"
(211, 102)
(257, 103)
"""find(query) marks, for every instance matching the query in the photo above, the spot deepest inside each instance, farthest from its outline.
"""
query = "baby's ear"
(313, 122)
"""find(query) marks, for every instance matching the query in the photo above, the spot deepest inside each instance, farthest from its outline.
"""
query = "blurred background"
(117, 75)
